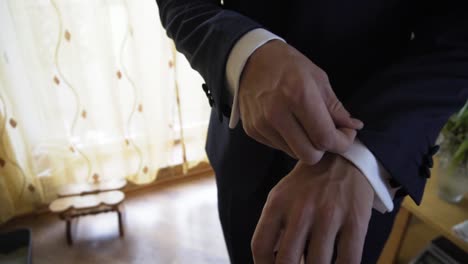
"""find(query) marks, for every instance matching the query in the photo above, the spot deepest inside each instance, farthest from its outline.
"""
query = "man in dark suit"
(294, 179)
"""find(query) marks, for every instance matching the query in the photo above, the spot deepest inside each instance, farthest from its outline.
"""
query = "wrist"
(257, 53)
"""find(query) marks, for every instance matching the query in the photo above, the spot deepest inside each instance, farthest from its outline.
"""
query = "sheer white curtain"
(88, 92)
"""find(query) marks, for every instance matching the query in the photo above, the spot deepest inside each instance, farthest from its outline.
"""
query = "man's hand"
(286, 102)
(311, 208)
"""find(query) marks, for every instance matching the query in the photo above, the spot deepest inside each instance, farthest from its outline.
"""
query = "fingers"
(298, 141)
(342, 118)
(351, 243)
(321, 130)
(307, 132)
(292, 243)
(347, 133)
(322, 241)
(276, 140)
(266, 235)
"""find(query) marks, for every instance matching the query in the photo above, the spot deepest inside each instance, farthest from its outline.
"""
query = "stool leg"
(121, 228)
(68, 232)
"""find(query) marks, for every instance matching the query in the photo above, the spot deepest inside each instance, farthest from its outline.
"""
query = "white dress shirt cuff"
(238, 57)
(376, 174)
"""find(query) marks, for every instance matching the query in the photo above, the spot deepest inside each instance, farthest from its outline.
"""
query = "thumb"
(342, 118)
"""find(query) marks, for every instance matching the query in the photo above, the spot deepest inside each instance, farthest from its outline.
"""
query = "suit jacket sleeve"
(205, 33)
(405, 105)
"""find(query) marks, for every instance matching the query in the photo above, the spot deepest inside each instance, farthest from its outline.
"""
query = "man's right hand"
(286, 102)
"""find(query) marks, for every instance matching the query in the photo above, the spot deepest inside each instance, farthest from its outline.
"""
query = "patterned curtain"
(91, 90)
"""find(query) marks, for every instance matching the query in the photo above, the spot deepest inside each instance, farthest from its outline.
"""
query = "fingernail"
(358, 123)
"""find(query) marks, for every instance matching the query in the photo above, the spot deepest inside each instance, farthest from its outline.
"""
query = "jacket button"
(425, 172)
(393, 183)
(428, 161)
(434, 149)
(205, 87)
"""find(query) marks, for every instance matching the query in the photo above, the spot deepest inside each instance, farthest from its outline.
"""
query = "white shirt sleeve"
(376, 174)
(358, 154)
(237, 59)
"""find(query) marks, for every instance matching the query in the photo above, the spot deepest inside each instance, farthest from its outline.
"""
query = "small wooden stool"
(88, 199)
(91, 188)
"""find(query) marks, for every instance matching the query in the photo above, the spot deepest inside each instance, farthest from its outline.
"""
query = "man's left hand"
(311, 208)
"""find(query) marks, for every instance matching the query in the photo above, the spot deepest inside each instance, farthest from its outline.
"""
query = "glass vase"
(452, 184)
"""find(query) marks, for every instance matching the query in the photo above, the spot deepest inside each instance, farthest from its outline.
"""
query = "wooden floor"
(171, 224)
(175, 223)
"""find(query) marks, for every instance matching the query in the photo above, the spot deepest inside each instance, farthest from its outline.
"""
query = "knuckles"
(294, 90)
(321, 76)
(273, 199)
(335, 106)
(258, 248)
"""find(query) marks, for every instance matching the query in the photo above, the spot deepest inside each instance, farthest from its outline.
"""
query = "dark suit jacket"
(403, 88)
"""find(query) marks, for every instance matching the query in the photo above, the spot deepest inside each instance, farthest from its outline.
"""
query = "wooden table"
(434, 212)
